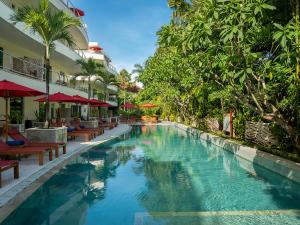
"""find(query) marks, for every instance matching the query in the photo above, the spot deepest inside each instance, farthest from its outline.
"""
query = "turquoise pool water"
(160, 176)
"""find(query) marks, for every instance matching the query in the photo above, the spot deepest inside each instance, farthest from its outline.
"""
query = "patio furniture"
(18, 151)
(105, 125)
(123, 119)
(153, 119)
(72, 133)
(92, 131)
(16, 135)
(132, 119)
(9, 164)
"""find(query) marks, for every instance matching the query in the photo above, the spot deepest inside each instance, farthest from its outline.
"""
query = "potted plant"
(16, 120)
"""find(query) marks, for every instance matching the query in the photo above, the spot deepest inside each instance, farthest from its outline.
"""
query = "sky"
(125, 29)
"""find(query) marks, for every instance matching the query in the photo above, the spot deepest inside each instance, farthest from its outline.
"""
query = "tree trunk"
(89, 97)
(47, 81)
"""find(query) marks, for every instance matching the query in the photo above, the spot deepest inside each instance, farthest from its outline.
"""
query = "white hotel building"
(21, 60)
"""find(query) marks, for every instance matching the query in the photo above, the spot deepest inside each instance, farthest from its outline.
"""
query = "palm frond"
(49, 25)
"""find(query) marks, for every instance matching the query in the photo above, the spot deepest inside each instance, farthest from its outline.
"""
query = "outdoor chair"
(9, 164)
(105, 125)
(72, 133)
(23, 150)
(16, 135)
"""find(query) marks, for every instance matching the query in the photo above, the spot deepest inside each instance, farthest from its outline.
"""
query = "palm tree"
(107, 78)
(89, 68)
(50, 26)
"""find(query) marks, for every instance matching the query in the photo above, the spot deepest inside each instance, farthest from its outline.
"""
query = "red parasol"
(10, 89)
(77, 12)
(81, 100)
(96, 48)
(128, 106)
(148, 105)
(57, 97)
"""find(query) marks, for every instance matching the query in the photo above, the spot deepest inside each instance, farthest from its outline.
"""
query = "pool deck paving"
(32, 176)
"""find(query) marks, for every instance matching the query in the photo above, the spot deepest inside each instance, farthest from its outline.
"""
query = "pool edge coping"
(276, 164)
(14, 197)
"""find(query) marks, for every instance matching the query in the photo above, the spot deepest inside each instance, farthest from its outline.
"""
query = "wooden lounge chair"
(144, 119)
(92, 133)
(9, 164)
(16, 135)
(153, 119)
(123, 119)
(95, 131)
(114, 121)
(105, 125)
(23, 150)
(86, 135)
(132, 119)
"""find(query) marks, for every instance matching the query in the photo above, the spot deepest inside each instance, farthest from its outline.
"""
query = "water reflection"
(155, 169)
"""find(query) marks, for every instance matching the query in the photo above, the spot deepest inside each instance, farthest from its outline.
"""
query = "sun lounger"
(73, 134)
(106, 125)
(23, 150)
(132, 119)
(9, 164)
(153, 119)
(123, 119)
(16, 135)
(95, 131)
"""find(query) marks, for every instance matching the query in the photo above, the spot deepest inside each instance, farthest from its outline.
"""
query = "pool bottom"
(264, 217)
(161, 176)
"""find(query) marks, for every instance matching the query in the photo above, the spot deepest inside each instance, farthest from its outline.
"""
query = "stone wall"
(260, 133)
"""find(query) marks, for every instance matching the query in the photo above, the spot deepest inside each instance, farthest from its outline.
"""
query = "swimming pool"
(160, 176)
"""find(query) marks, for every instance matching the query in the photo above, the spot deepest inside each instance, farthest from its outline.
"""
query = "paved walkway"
(32, 175)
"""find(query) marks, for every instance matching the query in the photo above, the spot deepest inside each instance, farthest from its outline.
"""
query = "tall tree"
(221, 55)
(51, 26)
(123, 80)
(107, 78)
(89, 68)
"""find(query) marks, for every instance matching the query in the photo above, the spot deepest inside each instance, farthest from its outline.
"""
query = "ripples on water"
(157, 176)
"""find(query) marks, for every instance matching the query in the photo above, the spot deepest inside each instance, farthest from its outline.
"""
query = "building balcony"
(113, 89)
(30, 72)
(24, 37)
(79, 33)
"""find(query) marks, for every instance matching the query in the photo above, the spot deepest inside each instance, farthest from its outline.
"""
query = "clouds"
(126, 29)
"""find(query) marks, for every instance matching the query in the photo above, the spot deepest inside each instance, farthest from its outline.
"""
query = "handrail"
(27, 68)
(69, 5)
(76, 49)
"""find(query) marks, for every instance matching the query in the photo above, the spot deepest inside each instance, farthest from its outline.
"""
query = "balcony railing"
(25, 66)
(75, 48)
(70, 5)
(34, 69)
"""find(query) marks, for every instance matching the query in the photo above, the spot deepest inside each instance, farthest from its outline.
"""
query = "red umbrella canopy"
(96, 102)
(148, 105)
(57, 97)
(81, 100)
(128, 106)
(102, 105)
(77, 12)
(11, 89)
(96, 48)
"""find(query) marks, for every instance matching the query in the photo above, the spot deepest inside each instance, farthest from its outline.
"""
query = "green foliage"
(220, 56)
(239, 125)
(15, 117)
